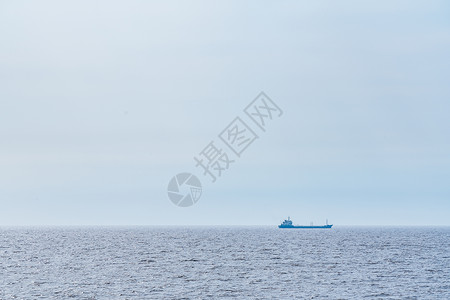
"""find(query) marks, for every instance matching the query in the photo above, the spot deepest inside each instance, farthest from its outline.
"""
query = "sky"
(102, 103)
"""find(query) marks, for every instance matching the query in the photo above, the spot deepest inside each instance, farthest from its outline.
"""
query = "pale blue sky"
(101, 103)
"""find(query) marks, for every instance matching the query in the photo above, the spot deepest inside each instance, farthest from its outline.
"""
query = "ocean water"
(225, 262)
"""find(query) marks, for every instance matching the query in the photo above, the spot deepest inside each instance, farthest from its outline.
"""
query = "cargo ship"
(288, 224)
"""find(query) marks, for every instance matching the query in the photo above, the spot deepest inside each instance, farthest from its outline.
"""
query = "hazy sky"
(102, 102)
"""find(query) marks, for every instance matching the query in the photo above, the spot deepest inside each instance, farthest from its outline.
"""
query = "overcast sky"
(102, 102)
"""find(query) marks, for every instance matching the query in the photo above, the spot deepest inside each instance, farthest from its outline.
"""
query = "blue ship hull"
(292, 226)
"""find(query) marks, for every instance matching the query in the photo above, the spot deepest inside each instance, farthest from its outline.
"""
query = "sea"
(224, 263)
